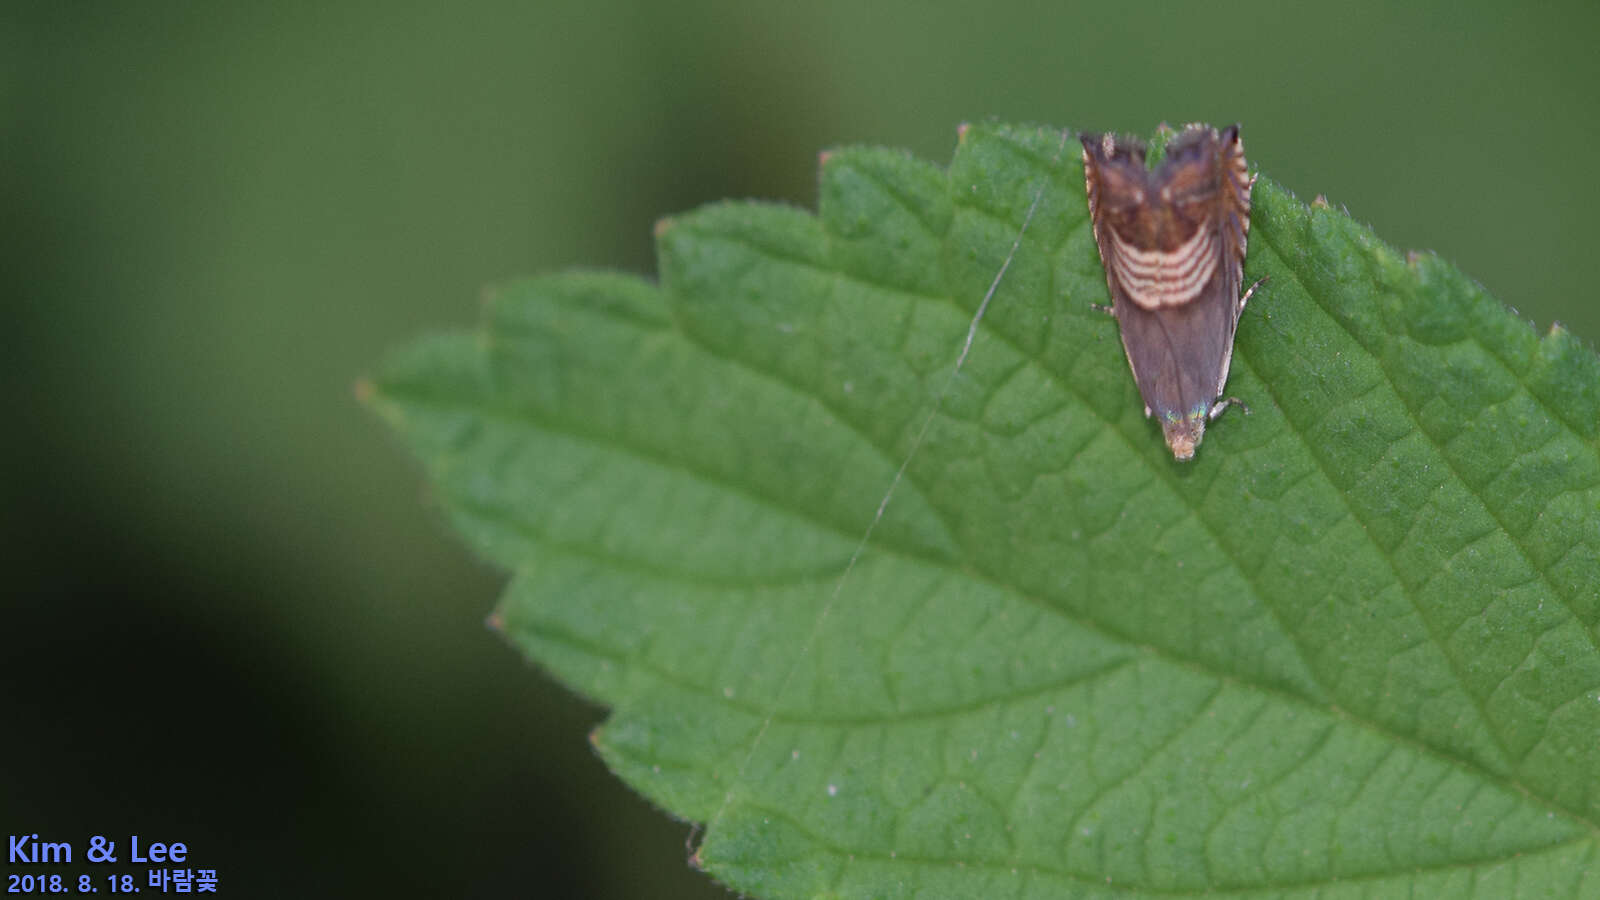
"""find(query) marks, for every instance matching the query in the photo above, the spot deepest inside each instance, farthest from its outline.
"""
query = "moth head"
(1118, 183)
(1109, 149)
(1200, 163)
(1190, 175)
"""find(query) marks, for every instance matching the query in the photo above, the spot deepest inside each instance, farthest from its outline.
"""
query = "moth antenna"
(1218, 407)
(1246, 298)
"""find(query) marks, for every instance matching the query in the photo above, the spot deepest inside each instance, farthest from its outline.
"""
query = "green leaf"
(1349, 651)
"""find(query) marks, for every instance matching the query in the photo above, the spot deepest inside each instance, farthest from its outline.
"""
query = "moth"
(1172, 242)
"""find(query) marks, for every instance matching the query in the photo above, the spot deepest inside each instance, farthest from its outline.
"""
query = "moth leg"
(1224, 403)
(1246, 298)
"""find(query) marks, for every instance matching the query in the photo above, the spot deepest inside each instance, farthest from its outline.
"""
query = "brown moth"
(1172, 242)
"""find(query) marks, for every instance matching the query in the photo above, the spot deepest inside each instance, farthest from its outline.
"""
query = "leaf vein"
(1405, 403)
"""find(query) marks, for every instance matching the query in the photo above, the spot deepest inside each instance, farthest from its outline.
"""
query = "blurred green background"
(240, 621)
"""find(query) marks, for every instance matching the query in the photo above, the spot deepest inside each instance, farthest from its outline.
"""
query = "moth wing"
(1180, 357)
(1180, 352)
